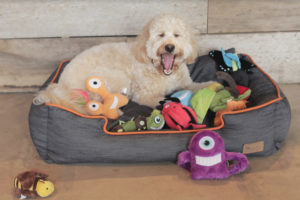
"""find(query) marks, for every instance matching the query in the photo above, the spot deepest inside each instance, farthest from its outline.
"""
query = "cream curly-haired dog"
(149, 68)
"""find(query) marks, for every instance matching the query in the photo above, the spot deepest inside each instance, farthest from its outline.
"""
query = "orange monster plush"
(111, 101)
(231, 106)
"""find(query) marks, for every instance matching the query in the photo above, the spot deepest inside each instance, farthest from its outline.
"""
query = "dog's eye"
(161, 35)
(176, 35)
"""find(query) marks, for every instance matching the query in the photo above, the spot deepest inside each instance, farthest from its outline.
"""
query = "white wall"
(36, 35)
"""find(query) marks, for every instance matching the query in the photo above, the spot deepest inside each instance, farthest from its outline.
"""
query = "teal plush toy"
(155, 121)
(184, 96)
(231, 60)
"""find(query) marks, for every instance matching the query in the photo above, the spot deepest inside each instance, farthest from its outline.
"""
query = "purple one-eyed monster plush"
(207, 158)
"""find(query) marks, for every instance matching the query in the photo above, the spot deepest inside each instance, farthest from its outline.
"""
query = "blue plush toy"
(184, 96)
(231, 60)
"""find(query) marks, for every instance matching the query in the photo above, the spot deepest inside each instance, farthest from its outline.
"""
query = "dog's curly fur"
(137, 66)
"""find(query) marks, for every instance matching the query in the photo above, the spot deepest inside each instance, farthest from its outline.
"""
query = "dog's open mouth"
(167, 61)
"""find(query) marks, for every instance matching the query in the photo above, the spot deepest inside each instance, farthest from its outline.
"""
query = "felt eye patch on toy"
(111, 101)
(207, 158)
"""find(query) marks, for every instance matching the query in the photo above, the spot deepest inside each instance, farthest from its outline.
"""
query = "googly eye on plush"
(207, 143)
(157, 119)
(95, 83)
(93, 106)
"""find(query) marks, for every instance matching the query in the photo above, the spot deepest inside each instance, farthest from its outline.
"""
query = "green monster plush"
(219, 102)
(244, 95)
(213, 97)
(137, 124)
(155, 121)
(221, 98)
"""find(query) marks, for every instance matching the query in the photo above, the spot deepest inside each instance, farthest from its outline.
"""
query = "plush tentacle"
(241, 162)
(230, 81)
(184, 160)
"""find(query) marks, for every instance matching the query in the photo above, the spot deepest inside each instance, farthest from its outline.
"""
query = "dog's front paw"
(149, 101)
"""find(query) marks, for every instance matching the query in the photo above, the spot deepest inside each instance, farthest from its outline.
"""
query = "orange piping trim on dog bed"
(279, 98)
(58, 70)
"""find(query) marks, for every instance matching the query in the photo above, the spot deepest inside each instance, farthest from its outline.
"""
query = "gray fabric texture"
(62, 137)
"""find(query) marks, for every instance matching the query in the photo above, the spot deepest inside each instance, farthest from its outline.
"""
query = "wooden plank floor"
(273, 177)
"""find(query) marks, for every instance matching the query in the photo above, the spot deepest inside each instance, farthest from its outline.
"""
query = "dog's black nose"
(169, 48)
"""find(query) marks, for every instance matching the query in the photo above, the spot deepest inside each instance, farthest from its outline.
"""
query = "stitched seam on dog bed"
(279, 98)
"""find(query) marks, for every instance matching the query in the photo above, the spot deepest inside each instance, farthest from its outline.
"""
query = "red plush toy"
(180, 117)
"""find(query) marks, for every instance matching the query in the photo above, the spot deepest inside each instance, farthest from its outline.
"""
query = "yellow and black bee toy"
(32, 184)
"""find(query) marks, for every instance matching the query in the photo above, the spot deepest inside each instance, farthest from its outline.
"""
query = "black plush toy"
(240, 75)
(218, 57)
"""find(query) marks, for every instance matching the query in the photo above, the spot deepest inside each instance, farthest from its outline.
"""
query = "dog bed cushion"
(61, 135)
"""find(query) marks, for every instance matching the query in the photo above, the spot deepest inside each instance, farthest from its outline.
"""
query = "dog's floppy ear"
(139, 49)
(195, 50)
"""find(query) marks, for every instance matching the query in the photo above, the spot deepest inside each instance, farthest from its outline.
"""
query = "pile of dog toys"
(183, 109)
(189, 109)
(216, 98)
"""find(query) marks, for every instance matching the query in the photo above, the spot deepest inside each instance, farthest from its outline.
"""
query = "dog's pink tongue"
(168, 62)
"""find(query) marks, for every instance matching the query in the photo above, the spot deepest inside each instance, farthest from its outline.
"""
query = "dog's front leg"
(194, 86)
(151, 101)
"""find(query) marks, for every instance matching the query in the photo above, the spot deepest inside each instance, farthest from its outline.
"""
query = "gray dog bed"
(63, 136)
